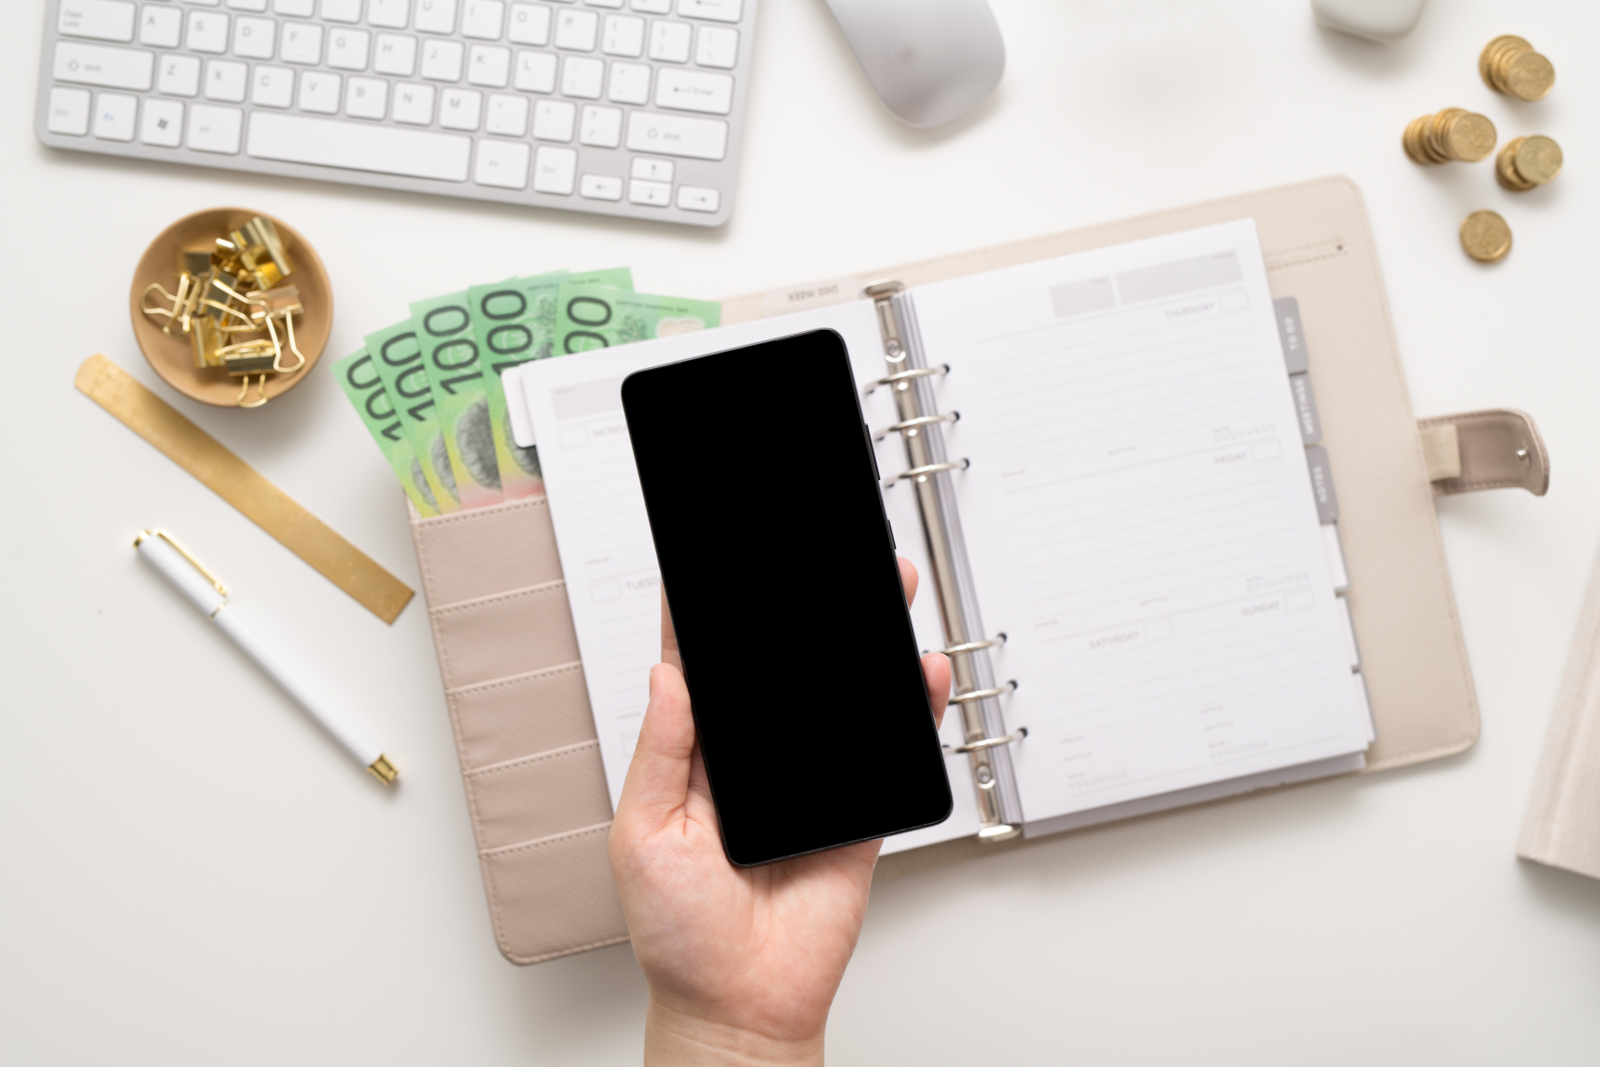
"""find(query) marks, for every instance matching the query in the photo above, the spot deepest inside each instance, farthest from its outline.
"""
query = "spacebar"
(358, 146)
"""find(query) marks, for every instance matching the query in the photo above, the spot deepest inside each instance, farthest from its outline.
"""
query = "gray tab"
(1080, 298)
(1182, 276)
(1286, 309)
(1305, 408)
(1322, 484)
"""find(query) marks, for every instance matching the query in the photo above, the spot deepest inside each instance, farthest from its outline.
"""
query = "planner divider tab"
(984, 738)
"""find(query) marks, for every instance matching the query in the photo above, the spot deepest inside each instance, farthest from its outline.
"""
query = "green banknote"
(397, 357)
(598, 316)
(514, 322)
(360, 382)
(451, 354)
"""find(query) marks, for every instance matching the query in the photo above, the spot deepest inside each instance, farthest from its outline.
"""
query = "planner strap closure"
(1495, 449)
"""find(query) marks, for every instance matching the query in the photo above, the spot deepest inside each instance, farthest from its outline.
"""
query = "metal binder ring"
(931, 468)
(908, 375)
(989, 742)
(974, 646)
(983, 694)
(920, 420)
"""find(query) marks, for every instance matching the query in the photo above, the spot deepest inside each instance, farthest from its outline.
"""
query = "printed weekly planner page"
(1140, 522)
(603, 532)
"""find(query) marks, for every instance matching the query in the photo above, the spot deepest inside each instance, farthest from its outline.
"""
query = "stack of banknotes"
(429, 391)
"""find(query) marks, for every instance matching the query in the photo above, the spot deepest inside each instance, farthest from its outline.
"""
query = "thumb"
(657, 784)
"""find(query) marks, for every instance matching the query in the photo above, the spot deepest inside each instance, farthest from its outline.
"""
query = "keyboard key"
(388, 14)
(92, 64)
(225, 81)
(624, 36)
(507, 115)
(630, 83)
(253, 38)
(553, 170)
(582, 78)
(690, 90)
(459, 109)
(653, 7)
(206, 3)
(669, 42)
(299, 9)
(248, 5)
(302, 43)
(113, 116)
(441, 61)
(341, 10)
(503, 164)
(601, 126)
(693, 198)
(69, 112)
(347, 49)
(481, 19)
(160, 27)
(394, 54)
(716, 47)
(600, 187)
(214, 129)
(651, 194)
(101, 20)
(319, 92)
(489, 66)
(355, 146)
(720, 10)
(413, 104)
(272, 87)
(553, 120)
(437, 16)
(603, 3)
(208, 32)
(652, 170)
(576, 30)
(670, 135)
(161, 124)
(536, 72)
(180, 76)
(366, 98)
(530, 24)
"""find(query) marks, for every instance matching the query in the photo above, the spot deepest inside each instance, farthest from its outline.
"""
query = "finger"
(669, 636)
(936, 672)
(658, 776)
(908, 578)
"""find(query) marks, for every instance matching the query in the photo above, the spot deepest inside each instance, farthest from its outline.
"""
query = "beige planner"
(508, 652)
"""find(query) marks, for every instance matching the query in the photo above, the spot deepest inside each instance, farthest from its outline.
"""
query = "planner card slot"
(516, 632)
(510, 717)
(472, 554)
(553, 896)
(537, 796)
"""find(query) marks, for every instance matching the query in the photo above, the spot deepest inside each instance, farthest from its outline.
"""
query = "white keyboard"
(620, 107)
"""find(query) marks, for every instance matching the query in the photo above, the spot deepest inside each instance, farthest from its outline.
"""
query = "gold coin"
(1537, 159)
(1529, 76)
(1470, 137)
(1487, 56)
(1505, 167)
(1485, 236)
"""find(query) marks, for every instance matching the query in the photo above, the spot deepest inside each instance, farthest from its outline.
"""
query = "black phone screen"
(781, 578)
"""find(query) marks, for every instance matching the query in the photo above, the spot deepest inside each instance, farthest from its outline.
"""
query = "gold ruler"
(235, 481)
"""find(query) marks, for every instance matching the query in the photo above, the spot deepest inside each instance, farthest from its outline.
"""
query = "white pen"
(202, 589)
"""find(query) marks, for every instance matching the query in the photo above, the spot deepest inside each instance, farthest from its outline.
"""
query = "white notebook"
(1135, 516)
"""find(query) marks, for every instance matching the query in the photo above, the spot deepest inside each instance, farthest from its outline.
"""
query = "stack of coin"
(1526, 162)
(1485, 236)
(1450, 134)
(1510, 65)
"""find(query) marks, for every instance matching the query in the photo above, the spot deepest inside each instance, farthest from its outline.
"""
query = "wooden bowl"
(171, 354)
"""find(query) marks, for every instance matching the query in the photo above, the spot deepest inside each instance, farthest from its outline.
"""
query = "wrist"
(673, 1038)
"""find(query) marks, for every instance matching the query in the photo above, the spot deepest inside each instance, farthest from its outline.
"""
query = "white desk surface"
(192, 874)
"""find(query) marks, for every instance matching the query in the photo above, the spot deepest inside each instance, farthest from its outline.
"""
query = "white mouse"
(1376, 20)
(930, 60)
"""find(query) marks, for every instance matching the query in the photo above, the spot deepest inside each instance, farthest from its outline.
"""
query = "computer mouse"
(1383, 21)
(930, 60)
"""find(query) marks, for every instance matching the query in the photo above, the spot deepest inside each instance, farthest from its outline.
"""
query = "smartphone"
(780, 574)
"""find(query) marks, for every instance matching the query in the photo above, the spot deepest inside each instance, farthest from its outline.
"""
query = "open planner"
(1112, 455)
(1097, 463)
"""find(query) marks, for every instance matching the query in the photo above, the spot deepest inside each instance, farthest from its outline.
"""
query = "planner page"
(603, 532)
(1140, 522)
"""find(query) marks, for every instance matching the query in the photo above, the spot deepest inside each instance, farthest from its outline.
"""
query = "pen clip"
(216, 583)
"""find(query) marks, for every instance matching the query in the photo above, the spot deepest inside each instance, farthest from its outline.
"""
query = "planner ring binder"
(985, 748)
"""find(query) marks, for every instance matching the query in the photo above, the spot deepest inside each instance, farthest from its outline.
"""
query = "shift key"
(92, 64)
(669, 135)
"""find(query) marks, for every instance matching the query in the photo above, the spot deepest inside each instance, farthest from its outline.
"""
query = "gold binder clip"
(244, 391)
(205, 339)
(260, 250)
(281, 304)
